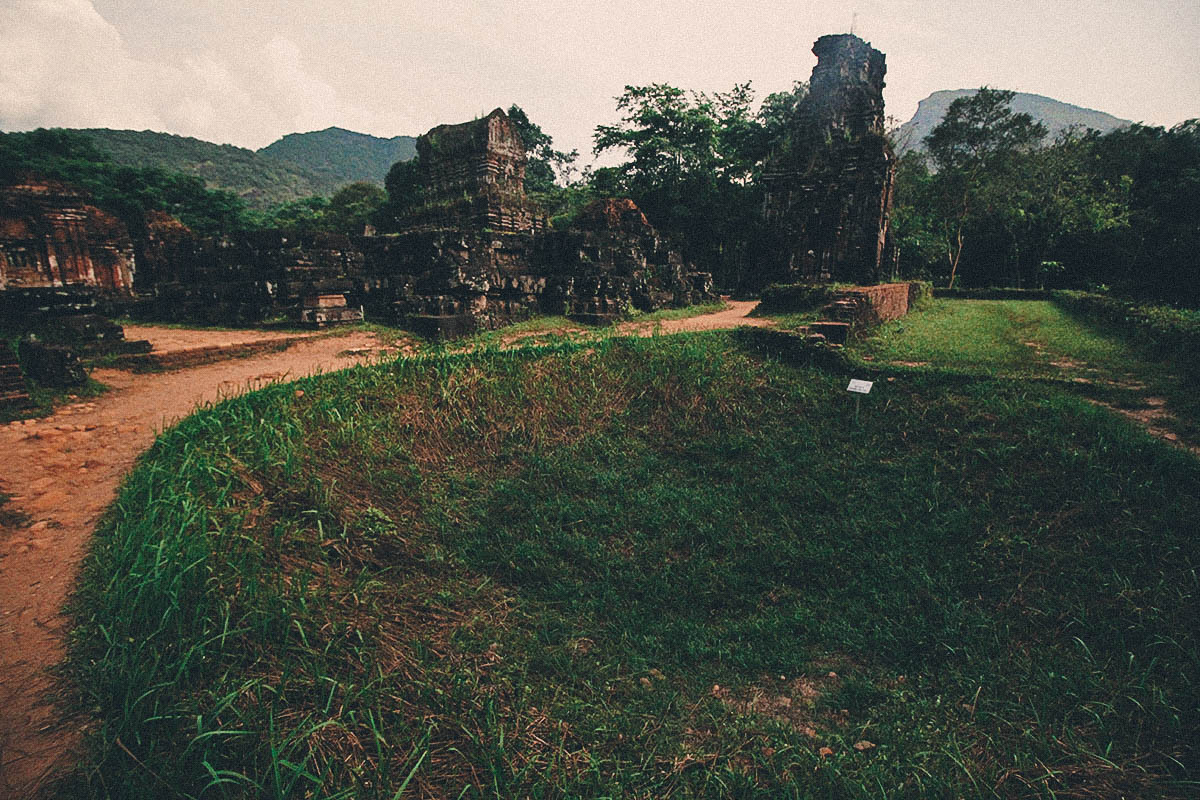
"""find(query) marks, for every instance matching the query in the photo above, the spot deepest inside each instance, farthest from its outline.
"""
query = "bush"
(992, 293)
(795, 298)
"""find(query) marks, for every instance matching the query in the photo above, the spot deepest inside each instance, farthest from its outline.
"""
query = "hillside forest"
(989, 198)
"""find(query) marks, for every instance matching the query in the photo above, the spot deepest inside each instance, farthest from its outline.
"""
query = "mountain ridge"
(294, 166)
(1056, 115)
(342, 155)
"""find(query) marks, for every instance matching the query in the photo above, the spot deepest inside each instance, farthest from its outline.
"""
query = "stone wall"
(51, 237)
(241, 278)
(829, 188)
(874, 305)
(439, 281)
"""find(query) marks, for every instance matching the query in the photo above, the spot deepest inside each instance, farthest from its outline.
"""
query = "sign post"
(858, 389)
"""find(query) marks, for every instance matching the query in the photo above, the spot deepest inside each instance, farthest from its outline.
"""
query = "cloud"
(63, 64)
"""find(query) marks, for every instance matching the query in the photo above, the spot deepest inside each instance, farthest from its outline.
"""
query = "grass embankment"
(639, 568)
(1043, 340)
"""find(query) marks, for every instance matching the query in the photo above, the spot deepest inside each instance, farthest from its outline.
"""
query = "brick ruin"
(829, 188)
(51, 237)
(472, 175)
(472, 252)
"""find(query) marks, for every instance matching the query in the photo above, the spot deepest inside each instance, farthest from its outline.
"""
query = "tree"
(353, 206)
(974, 150)
(544, 165)
(693, 165)
(306, 215)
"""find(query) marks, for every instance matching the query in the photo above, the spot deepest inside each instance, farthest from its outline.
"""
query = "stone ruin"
(472, 175)
(472, 252)
(829, 187)
(62, 260)
(51, 237)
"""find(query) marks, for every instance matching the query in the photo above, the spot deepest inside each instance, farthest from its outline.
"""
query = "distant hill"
(1055, 115)
(342, 156)
(260, 180)
(298, 165)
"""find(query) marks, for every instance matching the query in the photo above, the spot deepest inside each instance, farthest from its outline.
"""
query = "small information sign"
(862, 387)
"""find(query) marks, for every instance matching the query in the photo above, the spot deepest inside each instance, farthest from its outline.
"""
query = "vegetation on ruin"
(649, 567)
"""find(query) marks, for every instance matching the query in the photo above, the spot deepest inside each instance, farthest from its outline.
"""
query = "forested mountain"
(342, 156)
(1054, 114)
(298, 165)
(261, 181)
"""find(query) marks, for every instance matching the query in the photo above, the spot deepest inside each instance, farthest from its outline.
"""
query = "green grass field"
(1040, 340)
(646, 568)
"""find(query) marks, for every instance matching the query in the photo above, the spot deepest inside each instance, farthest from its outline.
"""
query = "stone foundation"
(862, 307)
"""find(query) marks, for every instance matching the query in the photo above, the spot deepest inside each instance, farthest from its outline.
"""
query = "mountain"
(298, 165)
(342, 156)
(1054, 114)
(259, 180)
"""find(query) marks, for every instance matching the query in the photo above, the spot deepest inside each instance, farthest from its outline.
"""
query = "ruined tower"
(472, 176)
(829, 184)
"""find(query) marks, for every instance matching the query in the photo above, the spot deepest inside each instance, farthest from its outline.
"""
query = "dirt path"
(61, 472)
(735, 316)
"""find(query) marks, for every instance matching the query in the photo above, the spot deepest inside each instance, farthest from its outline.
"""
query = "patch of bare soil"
(1155, 418)
(735, 315)
(60, 473)
(169, 340)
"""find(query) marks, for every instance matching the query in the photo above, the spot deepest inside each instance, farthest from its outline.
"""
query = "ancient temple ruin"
(50, 237)
(472, 252)
(475, 252)
(829, 185)
(472, 175)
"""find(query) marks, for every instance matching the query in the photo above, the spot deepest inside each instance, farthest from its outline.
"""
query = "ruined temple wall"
(50, 237)
(243, 278)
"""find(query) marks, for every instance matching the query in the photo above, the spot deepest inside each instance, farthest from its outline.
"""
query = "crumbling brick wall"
(878, 304)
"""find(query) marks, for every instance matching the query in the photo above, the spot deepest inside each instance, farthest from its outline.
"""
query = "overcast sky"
(248, 71)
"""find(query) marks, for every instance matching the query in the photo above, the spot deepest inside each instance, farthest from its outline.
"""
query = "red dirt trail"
(62, 472)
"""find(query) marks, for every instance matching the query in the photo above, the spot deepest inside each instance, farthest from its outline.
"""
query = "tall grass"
(641, 568)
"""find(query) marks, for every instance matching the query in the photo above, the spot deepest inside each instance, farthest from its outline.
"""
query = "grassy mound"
(639, 568)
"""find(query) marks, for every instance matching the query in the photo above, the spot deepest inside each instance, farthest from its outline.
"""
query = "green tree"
(353, 206)
(693, 161)
(306, 215)
(544, 165)
(975, 150)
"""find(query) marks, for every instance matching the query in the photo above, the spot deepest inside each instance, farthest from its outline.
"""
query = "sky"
(246, 72)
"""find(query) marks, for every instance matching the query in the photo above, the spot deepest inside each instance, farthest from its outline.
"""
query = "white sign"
(862, 387)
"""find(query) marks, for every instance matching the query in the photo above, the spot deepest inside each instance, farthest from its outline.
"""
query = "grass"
(644, 568)
(1040, 340)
